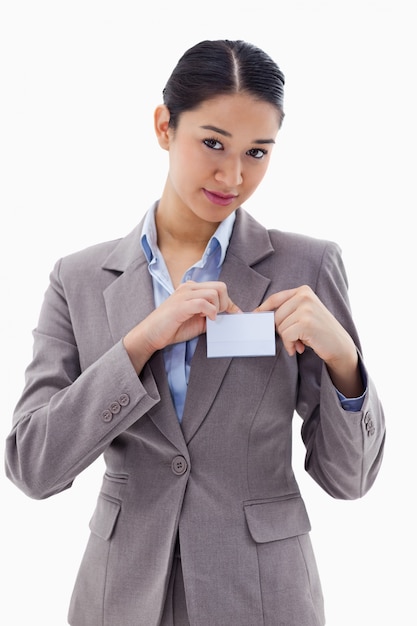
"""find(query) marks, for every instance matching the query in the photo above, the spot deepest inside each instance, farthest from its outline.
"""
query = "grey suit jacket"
(222, 479)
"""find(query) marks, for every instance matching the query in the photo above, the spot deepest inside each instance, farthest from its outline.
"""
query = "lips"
(221, 199)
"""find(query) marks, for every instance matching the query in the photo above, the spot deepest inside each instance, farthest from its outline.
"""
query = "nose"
(230, 172)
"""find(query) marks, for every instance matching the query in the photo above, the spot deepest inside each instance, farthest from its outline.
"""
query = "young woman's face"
(219, 154)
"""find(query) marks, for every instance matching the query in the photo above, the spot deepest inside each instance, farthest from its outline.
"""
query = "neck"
(182, 228)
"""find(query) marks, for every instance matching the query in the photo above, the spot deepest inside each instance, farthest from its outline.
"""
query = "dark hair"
(212, 68)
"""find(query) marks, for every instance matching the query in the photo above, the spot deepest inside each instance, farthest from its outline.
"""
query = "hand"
(301, 320)
(180, 317)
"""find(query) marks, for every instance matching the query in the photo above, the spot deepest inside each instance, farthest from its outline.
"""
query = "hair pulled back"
(213, 68)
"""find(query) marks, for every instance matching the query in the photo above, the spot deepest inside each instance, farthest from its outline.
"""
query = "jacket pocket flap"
(104, 517)
(269, 520)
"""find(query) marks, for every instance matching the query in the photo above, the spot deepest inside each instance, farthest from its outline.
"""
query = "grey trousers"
(175, 610)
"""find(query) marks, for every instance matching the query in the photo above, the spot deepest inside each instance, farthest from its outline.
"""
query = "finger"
(209, 294)
(293, 347)
(203, 307)
(232, 307)
(291, 338)
(214, 292)
(225, 303)
(276, 300)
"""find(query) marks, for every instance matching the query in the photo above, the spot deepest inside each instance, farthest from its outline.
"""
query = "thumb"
(232, 307)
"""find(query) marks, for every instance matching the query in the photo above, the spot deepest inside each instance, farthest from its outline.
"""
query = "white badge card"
(241, 334)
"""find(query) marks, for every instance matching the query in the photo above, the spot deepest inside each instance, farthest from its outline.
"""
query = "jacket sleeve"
(66, 418)
(344, 449)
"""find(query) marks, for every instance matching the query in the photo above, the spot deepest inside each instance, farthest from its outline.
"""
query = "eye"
(212, 143)
(257, 153)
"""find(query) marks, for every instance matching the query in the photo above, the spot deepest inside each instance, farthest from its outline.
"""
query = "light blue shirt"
(177, 357)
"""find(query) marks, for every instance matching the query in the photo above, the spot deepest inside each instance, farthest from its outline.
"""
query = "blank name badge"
(241, 334)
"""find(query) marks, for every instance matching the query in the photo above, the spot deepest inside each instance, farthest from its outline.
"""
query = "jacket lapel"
(128, 300)
(249, 244)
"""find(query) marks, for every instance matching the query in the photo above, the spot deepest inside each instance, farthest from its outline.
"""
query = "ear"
(161, 124)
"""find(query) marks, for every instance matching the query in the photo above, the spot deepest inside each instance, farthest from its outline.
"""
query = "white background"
(79, 164)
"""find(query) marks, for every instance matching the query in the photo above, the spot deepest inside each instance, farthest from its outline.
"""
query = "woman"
(199, 520)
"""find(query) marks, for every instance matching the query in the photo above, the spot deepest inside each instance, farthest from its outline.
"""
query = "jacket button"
(124, 399)
(107, 416)
(115, 408)
(179, 465)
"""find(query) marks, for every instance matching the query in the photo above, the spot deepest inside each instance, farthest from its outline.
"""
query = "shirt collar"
(221, 237)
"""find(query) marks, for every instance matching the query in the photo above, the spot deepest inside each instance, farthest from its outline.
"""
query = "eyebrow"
(226, 133)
